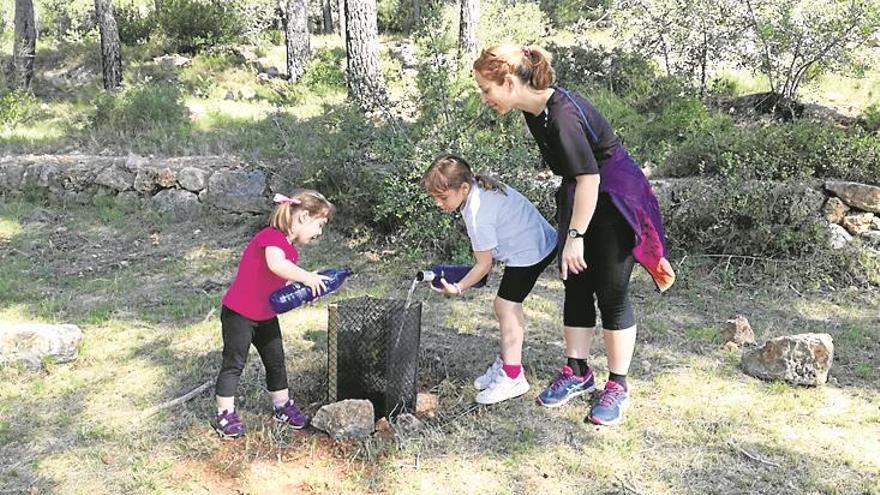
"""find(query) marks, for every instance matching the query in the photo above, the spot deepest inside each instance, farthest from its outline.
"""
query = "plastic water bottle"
(296, 294)
(451, 273)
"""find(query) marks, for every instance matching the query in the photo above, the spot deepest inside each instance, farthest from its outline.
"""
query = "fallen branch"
(173, 402)
(752, 456)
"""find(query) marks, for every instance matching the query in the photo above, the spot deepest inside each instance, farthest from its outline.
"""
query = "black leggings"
(608, 248)
(238, 335)
(518, 281)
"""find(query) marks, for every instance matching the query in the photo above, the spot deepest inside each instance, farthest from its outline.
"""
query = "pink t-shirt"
(254, 283)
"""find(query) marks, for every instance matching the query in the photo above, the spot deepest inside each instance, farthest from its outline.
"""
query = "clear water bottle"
(451, 273)
(296, 294)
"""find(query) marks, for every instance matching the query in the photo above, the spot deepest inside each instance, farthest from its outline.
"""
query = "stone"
(11, 175)
(803, 359)
(79, 176)
(384, 429)
(229, 96)
(246, 93)
(872, 238)
(858, 223)
(272, 71)
(861, 196)
(405, 53)
(192, 178)
(238, 191)
(43, 175)
(838, 237)
(32, 343)
(834, 210)
(427, 404)
(347, 419)
(134, 161)
(116, 178)
(729, 346)
(167, 178)
(406, 424)
(145, 180)
(172, 60)
(739, 331)
(179, 202)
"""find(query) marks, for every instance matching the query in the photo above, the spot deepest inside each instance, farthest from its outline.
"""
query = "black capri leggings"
(518, 281)
(608, 248)
(238, 335)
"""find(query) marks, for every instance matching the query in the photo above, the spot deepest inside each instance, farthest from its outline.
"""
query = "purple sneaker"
(228, 425)
(609, 409)
(566, 386)
(290, 415)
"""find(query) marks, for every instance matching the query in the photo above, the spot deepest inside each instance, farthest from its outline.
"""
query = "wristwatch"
(574, 234)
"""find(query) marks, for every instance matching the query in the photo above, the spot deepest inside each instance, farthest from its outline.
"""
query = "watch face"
(573, 233)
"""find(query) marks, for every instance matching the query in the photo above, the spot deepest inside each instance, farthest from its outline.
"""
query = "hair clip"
(282, 199)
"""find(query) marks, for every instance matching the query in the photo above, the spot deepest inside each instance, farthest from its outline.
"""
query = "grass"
(152, 333)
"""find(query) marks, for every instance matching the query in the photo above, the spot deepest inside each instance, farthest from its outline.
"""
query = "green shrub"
(872, 118)
(517, 22)
(617, 70)
(394, 15)
(147, 114)
(192, 25)
(565, 13)
(136, 25)
(779, 152)
(17, 107)
(65, 19)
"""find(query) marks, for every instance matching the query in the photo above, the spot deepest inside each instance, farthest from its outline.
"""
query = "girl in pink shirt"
(268, 263)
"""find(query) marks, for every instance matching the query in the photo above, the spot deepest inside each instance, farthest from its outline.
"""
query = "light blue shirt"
(509, 225)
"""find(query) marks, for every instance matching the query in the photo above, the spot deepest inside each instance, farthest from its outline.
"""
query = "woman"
(607, 218)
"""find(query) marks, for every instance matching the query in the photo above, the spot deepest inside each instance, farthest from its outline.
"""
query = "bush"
(394, 15)
(565, 13)
(64, 19)
(136, 25)
(17, 107)
(192, 25)
(617, 70)
(872, 118)
(503, 21)
(149, 114)
(779, 152)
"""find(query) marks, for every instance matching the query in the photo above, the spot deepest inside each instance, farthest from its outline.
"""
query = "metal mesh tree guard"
(373, 353)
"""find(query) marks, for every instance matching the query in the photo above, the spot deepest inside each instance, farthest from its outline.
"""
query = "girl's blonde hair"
(315, 203)
(531, 64)
(451, 171)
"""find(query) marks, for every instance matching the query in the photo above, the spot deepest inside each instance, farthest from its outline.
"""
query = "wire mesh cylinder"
(373, 353)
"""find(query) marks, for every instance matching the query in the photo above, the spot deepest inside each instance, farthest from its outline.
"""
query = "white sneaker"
(503, 388)
(483, 381)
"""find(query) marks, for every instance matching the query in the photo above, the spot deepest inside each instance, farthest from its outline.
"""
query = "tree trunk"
(340, 18)
(365, 84)
(158, 4)
(328, 17)
(467, 30)
(25, 47)
(417, 13)
(111, 49)
(296, 34)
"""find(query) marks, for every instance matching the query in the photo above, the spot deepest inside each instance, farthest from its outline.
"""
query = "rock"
(858, 223)
(861, 196)
(172, 60)
(272, 71)
(192, 179)
(246, 93)
(134, 161)
(179, 202)
(405, 53)
(11, 175)
(229, 95)
(427, 404)
(803, 359)
(384, 429)
(350, 418)
(739, 331)
(146, 180)
(167, 178)
(116, 178)
(31, 344)
(406, 424)
(237, 190)
(729, 346)
(43, 175)
(872, 238)
(838, 237)
(834, 210)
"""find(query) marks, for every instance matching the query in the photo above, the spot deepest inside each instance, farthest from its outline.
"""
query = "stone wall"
(186, 185)
(183, 185)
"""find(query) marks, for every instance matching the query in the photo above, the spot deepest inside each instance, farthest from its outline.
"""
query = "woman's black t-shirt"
(569, 144)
